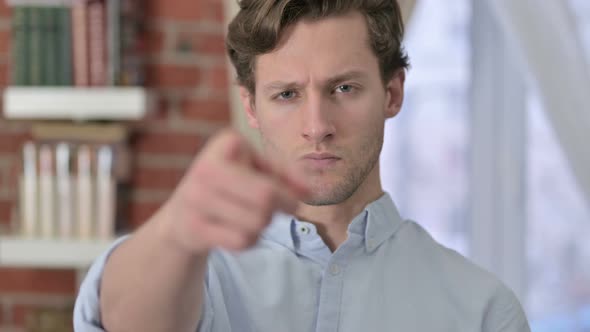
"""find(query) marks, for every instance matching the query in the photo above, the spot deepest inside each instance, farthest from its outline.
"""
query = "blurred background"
(105, 102)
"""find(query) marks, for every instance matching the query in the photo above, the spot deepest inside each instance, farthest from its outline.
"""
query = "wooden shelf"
(40, 2)
(75, 103)
(49, 253)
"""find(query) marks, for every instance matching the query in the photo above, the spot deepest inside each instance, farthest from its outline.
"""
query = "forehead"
(319, 49)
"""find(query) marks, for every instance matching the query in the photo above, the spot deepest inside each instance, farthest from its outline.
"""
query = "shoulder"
(445, 262)
(465, 281)
(504, 312)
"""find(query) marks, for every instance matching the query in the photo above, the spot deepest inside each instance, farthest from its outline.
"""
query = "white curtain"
(545, 35)
(407, 7)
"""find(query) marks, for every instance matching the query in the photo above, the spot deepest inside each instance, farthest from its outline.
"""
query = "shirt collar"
(382, 221)
(280, 230)
(376, 223)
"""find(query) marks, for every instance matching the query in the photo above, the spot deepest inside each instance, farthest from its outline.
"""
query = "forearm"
(151, 285)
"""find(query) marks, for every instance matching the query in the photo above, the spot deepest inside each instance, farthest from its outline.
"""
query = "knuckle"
(263, 217)
(204, 169)
(227, 132)
(265, 197)
(250, 240)
(258, 223)
(260, 219)
(229, 137)
(240, 242)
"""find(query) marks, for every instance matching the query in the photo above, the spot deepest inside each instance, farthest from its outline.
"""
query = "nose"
(317, 125)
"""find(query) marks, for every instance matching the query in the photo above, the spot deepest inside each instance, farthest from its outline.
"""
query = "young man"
(318, 79)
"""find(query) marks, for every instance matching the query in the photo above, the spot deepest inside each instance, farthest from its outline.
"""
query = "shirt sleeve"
(505, 313)
(87, 309)
(87, 317)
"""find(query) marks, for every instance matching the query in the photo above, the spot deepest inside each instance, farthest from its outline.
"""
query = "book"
(20, 47)
(88, 43)
(64, 47)
(97, 42)
(46, 192)
(80, 43)
(131, 58)
(84, 193)
(64, 190)
(105, 197)
(49, 46)
(35, 41)
(113, 41)
(29, 191)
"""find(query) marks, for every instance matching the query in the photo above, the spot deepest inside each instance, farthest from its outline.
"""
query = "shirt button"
(304, 229)
(334, 269)
(370, 244)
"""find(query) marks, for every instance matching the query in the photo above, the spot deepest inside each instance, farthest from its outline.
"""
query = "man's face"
(320, 105)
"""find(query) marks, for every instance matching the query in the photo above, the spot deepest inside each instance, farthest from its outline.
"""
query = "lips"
(320, 160)
(320, 156)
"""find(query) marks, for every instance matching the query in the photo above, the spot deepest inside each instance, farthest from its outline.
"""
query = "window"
(558, 249)
(424, 164)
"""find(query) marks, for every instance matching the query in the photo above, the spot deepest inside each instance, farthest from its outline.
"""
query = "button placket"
(331, 288)
(371, 243)
(335, 269)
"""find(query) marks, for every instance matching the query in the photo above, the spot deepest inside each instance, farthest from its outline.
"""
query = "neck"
(332, 221)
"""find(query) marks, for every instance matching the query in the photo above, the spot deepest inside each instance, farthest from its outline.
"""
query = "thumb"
(288, 176)
(236, 149)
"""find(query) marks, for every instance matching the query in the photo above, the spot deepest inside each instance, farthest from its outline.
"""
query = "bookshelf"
(75, 103)
(77, 78)
(50, 253)
(40, 2)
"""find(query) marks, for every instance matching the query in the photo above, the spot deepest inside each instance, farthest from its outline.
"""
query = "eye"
(286, 95)
(345, 88)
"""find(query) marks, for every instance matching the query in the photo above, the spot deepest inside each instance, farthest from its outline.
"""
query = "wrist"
(169, 236)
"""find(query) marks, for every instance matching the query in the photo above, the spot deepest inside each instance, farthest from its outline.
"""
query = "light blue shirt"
(389, 275)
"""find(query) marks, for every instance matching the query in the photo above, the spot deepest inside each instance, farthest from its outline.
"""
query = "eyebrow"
(350, 75)
(282, 85)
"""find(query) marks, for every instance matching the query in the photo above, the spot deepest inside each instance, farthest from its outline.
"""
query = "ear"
(248, 103)
(395, 93)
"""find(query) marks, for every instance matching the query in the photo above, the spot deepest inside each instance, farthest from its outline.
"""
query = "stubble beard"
(359, 165)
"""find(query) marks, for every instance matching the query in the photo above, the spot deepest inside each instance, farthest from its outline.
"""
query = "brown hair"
(259, 25)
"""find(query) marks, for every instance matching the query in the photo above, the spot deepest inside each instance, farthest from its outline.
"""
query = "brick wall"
(186, 72)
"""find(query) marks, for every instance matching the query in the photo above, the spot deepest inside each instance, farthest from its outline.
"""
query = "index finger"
(290, 177)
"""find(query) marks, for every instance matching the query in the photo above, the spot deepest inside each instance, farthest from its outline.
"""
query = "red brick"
(13, 171)
(217, 111)
(154, 41)
(159, 114)
(4, 41)
(170, 76)
(5, 211)
(217, 80)
(13, 280)
(153, 178)
(184, 10)
(203, 43)
(12, 143)
(5, 10)
(139, 213)
(172, 143)
(4, 75)
(20, 314)
(210, 45)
